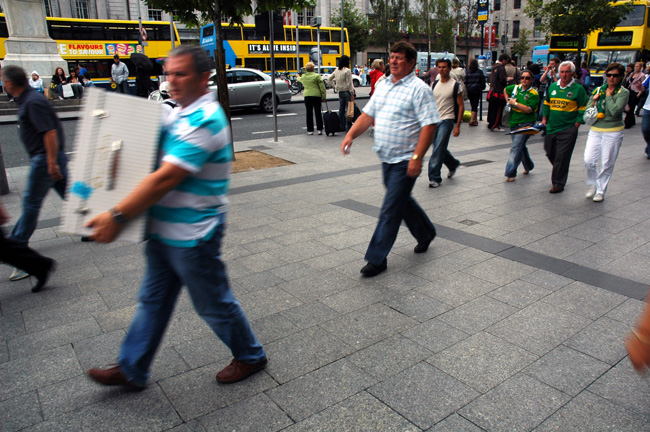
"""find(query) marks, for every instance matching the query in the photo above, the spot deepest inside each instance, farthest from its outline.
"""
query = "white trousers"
(601, 147)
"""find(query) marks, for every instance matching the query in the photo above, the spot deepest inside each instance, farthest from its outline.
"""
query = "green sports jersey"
(529, 98)
(563, 107)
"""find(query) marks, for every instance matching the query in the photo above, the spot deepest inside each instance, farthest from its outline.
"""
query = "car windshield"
(600, 59)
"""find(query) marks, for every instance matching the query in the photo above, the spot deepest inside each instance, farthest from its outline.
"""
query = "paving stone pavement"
(513, 320)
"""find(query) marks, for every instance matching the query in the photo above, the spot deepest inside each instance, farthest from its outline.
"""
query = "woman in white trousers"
(606, 135)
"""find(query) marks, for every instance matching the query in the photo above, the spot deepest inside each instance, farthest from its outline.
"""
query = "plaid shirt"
(400, 111)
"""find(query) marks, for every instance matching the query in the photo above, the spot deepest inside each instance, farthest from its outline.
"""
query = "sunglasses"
(526, 78)
(612, 75)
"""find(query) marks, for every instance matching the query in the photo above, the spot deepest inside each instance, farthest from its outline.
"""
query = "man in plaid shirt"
(405, 117)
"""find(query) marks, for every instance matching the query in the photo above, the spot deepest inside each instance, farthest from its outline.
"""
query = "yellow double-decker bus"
(246, 47)
(628, 43)
(93, 43)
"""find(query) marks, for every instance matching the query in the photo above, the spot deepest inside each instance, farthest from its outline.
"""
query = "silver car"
(252, 88)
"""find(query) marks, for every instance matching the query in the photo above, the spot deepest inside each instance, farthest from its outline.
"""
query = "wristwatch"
(415, 157)
(118, 217)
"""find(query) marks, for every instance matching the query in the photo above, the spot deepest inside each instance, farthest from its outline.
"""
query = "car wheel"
(267, 104)
(356, 83)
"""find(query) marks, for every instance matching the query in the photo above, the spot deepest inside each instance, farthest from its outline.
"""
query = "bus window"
(4, 32)
(232, 34)
(207, 31)
(304, 35)
(336, 36)
(249, 34)
(256, 63)
(325, 36)
(634, 18)
(280, 64)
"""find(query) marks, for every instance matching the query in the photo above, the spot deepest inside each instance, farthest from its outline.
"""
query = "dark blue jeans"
(344, 98)
(519, 153)
(645, 129)
(202, 271)
(39, 183)
(398, 205)
(440, 153)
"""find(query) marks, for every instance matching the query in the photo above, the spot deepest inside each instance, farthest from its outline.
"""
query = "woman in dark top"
(77, 85)
(58, 79)
(475, 83)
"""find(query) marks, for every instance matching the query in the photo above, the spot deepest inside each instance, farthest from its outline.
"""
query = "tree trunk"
(220, 61)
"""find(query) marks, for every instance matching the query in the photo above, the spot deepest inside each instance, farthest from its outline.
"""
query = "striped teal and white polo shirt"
(196, 139)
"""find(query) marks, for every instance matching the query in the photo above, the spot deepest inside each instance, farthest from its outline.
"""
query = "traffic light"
(262, 25)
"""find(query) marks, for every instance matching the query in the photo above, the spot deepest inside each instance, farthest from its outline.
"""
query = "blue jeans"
(39, 183)
(344, 98)
(122, 87)
(519, 153)
(645, 129)
(398, 205)
(440, 153)
(202, 271)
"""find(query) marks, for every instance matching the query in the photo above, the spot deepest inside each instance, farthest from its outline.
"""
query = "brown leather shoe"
(238, 370)
(111, 376)
(556, 189)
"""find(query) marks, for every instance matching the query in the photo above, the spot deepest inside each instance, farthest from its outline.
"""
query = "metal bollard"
(4, 184)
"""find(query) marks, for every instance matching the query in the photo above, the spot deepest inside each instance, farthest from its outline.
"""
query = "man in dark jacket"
(496, 100)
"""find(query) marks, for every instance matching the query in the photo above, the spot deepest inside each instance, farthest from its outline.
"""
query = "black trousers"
(495, 108)
(22, 256)
(313, 108)
(559, 149)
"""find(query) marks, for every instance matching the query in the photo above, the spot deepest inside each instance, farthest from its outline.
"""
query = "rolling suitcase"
(331, 121)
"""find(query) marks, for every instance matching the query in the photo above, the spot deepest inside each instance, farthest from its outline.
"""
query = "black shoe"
(41, 280)
(370, 270)
(424, 246)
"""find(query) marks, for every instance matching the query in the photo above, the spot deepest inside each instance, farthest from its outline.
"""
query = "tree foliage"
(356, 24)
(522, 46)
(433, 20)
(576, 17)
(465, 14)
(192, 12)
(386, 22)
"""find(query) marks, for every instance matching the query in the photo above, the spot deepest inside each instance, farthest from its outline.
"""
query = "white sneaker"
(310, 133)
(599, 197)
(451, 173)
(18, 274)
(591, 192)
(434, 184)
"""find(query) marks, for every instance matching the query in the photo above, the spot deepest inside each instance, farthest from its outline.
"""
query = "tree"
(355, 23)
(466, 11)
(386, 22)
(433, 20)
(576, 18)
(522, 46)
(192, 11)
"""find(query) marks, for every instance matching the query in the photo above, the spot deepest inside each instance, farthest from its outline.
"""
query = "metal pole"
(275, 113)
(342, 32)
(297, 50)
(480, 102)
(318, 45)
(171, 30)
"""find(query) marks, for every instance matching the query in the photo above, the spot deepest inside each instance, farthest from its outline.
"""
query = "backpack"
(455, 95)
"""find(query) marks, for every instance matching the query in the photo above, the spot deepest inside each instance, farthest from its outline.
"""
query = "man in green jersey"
(564, 106)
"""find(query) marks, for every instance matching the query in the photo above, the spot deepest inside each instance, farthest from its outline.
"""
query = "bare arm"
(424, 141)
(461, 111)
(363, 122)
(146, 194)
(51, 141)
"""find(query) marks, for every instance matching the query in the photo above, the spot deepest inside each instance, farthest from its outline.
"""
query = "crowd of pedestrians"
(408, 117)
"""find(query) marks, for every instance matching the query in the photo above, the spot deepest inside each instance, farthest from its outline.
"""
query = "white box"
(116, 147)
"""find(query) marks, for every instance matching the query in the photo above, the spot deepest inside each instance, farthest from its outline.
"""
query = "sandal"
(474, 123)
(638, 348)
(510, 179)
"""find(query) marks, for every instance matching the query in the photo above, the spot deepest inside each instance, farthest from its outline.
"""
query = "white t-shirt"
(444, 96)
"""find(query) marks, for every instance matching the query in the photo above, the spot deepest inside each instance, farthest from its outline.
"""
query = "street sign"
(483, 10)
(143, 33)
(488, 55)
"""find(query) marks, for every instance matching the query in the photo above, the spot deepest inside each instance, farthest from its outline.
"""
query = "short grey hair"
(200, 59)
(568, 63)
